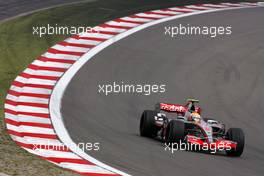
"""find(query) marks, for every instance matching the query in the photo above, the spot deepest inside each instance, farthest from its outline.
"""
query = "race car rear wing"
(170, 107)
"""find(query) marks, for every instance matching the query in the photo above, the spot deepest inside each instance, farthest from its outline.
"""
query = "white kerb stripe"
(184, 9)
(33, 100)
(137, 19)
(214, 5)
(60, 56)
(109, 29)
(43, 72)
(124, 24)
(29, 129)
(70, 48)
(31, 109)
(41, 81)
(31, 90)
(167, 12)
(81, 41)
(51, 64)
(199, 7)
(23, 118)
(85, 168)
(151, 15)
(97, 35)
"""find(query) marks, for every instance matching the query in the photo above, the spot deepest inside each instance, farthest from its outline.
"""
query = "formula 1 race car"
(174, 123)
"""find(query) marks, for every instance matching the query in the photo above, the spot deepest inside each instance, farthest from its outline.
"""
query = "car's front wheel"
(175, 132)
(147, 124)
(236, 135)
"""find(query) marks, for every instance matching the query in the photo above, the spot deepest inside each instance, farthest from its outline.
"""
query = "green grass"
(18, 48)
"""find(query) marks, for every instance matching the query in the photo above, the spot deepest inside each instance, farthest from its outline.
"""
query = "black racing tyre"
(236, 135)
(175, 132)
(147, 124)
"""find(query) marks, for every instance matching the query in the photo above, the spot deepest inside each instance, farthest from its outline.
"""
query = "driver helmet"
(196, 117)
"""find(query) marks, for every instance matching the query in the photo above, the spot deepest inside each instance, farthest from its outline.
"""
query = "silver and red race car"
(174, 123)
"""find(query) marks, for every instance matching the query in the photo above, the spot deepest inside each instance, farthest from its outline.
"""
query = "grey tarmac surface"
(13, 8)
(226, 73)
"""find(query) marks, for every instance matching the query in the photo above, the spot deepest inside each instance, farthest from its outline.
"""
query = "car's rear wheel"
(236, 135)
(175, 132)
(147, 124)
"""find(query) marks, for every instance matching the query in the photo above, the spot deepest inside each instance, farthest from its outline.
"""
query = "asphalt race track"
(12, 8)
(226, 73)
